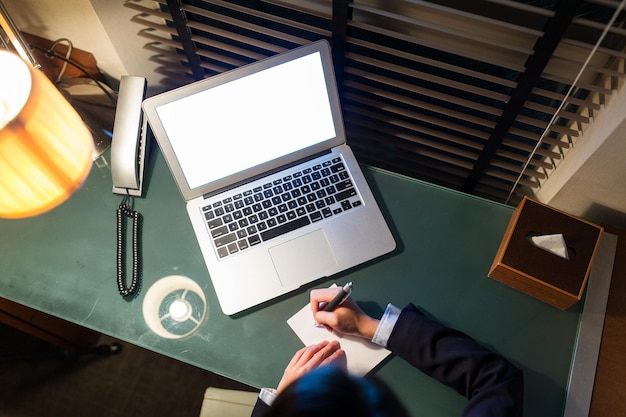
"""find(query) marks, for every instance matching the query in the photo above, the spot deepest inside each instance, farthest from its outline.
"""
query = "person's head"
(329, 391)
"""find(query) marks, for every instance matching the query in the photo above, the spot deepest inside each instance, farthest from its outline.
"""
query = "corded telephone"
(128, 145)
(128, 155)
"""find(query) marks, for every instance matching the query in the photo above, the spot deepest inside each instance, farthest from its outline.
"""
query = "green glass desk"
(63, 263)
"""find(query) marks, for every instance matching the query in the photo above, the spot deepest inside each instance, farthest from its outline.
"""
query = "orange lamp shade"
(45, 148)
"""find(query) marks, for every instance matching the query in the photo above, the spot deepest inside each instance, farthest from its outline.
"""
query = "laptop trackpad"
(303, 259)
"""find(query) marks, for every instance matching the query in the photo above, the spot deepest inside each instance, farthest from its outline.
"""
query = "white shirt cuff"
(267, 395)
(386, 325)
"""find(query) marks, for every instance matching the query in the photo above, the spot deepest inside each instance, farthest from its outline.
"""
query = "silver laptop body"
(275, 196)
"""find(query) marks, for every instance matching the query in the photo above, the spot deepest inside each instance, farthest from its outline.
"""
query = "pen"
(339, 298)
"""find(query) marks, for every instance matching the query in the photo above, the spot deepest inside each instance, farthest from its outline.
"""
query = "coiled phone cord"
(125, 211)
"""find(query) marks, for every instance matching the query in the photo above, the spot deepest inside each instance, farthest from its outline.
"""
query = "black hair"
(329, 391)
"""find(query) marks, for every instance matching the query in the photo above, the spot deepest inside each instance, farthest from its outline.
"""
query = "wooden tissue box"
(540, 273)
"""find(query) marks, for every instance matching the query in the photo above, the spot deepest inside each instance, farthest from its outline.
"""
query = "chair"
(220, 402)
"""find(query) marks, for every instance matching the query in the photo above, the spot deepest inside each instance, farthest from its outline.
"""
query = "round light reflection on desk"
(180, 310)
(175, 307)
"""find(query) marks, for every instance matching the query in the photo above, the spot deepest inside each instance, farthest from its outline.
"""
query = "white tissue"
(552, 243)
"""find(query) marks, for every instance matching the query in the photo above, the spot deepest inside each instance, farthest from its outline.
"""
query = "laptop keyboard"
(257, 215)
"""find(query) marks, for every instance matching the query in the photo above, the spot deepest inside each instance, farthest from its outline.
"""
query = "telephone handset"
(128, 144)
(128, 155)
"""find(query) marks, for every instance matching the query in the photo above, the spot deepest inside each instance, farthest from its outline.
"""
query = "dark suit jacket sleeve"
(259, 408)
(492, 385)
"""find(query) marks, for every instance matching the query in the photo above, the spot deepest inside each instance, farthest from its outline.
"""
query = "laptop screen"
(247, 121)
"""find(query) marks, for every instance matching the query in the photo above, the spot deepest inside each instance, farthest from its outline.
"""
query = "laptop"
(275, 196)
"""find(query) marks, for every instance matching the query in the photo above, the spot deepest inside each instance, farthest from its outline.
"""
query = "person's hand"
(311, 357)
(348, 318)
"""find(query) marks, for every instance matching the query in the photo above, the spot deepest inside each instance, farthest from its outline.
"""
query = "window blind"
(486, 97)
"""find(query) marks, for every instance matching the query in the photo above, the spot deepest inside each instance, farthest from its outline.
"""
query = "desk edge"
(589, 338)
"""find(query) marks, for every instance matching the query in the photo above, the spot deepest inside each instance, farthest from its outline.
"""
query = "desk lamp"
(45, 148)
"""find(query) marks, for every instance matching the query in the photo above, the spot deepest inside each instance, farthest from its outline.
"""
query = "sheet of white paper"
(361, 355)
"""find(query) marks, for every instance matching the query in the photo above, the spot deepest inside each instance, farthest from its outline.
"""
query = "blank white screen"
(243, 123)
